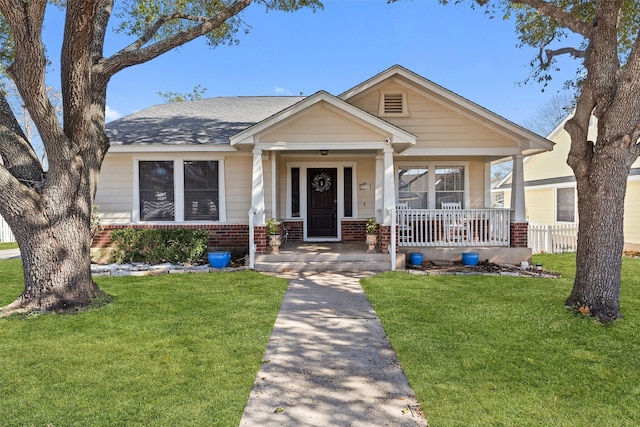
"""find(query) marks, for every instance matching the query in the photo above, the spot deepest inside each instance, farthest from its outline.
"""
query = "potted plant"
(274, 235)
(371, 228)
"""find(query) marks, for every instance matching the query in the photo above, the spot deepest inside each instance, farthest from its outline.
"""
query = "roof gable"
(346, 113)
(525, 141)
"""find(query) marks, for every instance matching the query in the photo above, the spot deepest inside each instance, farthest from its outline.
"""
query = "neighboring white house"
(321, 164)
(550, 189)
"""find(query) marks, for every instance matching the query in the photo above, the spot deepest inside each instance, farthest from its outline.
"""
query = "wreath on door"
(321, 182)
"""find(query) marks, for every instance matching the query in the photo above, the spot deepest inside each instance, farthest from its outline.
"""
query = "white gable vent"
(393, 104)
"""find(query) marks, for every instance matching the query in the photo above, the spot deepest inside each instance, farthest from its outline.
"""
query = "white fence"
(5, 232)
(553, 239)
(453, 227)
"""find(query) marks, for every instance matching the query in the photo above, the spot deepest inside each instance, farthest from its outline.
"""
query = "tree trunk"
(600, 239)
(57, 262)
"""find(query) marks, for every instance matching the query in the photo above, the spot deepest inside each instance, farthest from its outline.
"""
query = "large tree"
(49, 211)
(603, 35)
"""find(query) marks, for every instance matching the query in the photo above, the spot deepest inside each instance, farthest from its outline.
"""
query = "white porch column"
(517, 190)
(257, 188)
(389, 186)
(487, 184)
(379, 188)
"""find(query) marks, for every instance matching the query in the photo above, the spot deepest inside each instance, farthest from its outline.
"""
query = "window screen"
(156, 191)
(201, 191)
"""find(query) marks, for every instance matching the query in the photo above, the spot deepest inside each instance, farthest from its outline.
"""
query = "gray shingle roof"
(205, 121)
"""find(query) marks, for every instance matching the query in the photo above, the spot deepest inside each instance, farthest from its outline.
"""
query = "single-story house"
(396, 147)
(550, 188)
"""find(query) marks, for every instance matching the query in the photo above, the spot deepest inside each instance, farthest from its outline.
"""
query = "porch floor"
(325, 256)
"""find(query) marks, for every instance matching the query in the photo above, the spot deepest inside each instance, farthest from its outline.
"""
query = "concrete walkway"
(10, 253)
(328, 362)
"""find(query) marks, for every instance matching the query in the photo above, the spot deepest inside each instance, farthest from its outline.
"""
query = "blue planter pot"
(470, 258)
(415, 258)
(219, 259)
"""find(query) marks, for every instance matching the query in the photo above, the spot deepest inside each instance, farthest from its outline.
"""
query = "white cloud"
(282, 91)
(110, 114)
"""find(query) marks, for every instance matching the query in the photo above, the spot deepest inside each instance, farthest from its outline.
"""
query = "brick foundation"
(519, 234)
(353, 230)
(226, 236)
(384, 238)
(221, 236)
(295, 229)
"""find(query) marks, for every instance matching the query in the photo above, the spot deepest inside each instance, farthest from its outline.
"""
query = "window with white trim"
(201, 191)
(179, 190)
(429, 185)
(449, 185)
(566, 204)
(157, 201)
(413, 187)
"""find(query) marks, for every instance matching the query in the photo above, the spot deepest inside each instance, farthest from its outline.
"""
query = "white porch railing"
(455, 227)
(5, 232)
(553, 239)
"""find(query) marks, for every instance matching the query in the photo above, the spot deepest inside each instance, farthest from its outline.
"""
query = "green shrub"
(151, 245)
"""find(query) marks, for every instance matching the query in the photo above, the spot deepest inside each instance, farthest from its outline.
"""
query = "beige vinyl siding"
(238, 177)
(115, 189)
(552, 164)
(434, 124)
(540, 204)
(476, 184)
(322, 124)
(366, 172)
(632, 213)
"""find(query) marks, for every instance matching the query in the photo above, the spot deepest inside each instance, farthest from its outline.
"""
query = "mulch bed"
(483, 268)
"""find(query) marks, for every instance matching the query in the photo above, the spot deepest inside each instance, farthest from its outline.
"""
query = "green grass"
(503, 351)
(8, 245)
(170, 350)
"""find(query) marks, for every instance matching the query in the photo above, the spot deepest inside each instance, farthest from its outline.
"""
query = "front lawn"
(504, 351)
(8, 245)
(170, 350)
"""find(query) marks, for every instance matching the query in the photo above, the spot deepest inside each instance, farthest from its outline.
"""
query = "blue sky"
(339, 47)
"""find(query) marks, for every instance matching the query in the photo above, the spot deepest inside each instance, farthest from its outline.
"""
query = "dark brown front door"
(322, 202)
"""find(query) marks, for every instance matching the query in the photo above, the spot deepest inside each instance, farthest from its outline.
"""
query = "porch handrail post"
(392, 248)
(252, 239)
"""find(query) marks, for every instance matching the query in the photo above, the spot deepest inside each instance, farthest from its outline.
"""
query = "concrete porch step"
(323, 262)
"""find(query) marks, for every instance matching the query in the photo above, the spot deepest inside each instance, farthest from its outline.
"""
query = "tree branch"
(135, 54)
(29, 65)
(559, 14)
(548, 55)
(18, 157)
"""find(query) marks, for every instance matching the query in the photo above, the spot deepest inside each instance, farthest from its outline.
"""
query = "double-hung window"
(179, 190)
(429, 185)
(413, 187)
(566, 204)
(157, 198)
(449, 185)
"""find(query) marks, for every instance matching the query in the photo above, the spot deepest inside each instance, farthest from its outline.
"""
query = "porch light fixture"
(324, 152)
